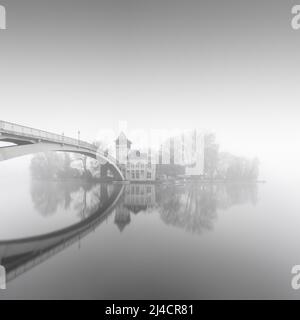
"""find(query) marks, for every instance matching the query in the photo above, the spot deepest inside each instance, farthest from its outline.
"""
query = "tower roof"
(122, 218)
(122, 139)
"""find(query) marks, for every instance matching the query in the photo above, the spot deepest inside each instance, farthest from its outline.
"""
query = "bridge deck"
(36, 134)
(36, 140)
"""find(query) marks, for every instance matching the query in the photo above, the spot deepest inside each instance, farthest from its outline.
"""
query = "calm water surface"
(189, 241)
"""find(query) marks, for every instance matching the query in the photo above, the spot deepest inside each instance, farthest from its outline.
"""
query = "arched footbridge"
(28, 140)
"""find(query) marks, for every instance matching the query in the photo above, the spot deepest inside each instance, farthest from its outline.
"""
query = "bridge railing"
(16, 129)
(23, 131)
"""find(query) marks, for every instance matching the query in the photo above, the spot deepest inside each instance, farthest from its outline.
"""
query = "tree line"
(226, 166)
(217, 165)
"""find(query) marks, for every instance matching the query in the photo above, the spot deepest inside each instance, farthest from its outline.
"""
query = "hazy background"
(228, 66)
(231, 67)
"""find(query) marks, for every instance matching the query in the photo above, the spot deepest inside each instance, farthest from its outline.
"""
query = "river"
(77, 240)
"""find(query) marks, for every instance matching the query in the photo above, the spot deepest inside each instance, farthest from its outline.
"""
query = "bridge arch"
(11, 152)
(30, 141)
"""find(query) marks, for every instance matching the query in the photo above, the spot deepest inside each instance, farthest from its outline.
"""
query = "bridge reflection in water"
(20, 255)
(192, 207)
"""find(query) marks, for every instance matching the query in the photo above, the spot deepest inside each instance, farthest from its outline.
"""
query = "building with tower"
(135, 165)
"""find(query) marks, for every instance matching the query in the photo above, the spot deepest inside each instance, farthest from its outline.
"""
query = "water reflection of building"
(139, 197)
(192, 207)
(136, 198)
(122, 218)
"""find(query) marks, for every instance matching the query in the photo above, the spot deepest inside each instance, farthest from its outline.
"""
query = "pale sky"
(231, 67)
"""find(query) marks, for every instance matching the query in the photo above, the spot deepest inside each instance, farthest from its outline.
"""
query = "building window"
(132, 175)
(137, 174)
(148, 175)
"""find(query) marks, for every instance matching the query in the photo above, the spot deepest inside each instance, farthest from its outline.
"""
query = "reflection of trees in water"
(83, 198)
(86, 201)
(236, 193)
(194, 207)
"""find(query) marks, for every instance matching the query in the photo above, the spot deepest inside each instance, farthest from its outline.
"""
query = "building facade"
(135, 165)
(185, 150)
